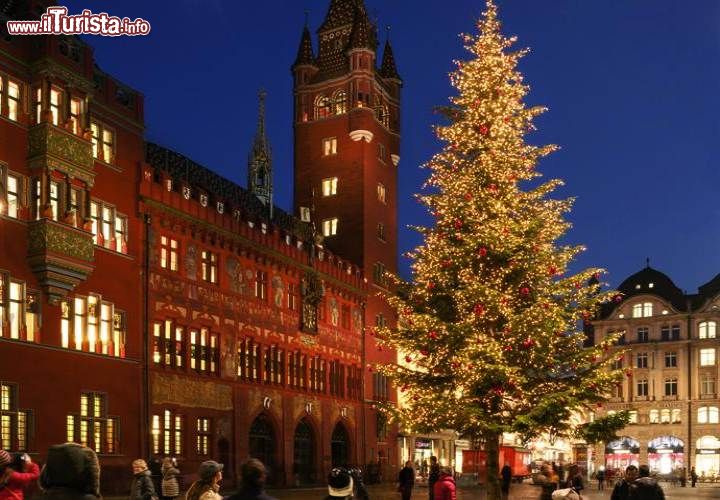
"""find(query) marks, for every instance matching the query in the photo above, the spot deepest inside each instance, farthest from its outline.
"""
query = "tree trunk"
(492, 451)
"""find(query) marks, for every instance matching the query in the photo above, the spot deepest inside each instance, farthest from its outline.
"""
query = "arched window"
(707, 330)
(340, 102)
(323, 107)
(708, 415)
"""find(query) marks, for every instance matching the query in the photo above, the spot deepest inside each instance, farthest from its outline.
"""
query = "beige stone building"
(671, 387)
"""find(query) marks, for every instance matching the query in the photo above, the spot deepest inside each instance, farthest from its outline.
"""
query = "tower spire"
(260, 159)
(388, 68)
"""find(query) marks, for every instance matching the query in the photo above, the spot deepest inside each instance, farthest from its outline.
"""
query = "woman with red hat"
(16, 475)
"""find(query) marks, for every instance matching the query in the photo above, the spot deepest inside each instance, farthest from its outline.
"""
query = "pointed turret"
(305, 55)
(260, 159)
(363, 34)
(388, 69)
(340, 13)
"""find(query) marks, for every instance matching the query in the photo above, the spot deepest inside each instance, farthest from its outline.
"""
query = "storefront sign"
(423, 444)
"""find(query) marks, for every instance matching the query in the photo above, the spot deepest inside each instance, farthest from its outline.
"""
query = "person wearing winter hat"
(142, 486)
(71, 472)
(13, 482)
(207, 487)
(340, 484)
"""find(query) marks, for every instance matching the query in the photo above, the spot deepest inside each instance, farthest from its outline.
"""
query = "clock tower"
(347, 154)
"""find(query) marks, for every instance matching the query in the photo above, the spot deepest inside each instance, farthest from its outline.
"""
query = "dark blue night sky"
(633, 88)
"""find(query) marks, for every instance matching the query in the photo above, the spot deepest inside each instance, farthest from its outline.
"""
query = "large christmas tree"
(489, 325)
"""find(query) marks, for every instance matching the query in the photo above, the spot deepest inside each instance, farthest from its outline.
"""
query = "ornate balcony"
(55, 148)
(60, 255)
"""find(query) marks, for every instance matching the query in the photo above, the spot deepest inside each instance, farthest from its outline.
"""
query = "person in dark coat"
(444, 488)
(506, 479)
(142, 486)
(693, 477)
(406, 481)
(71, 472)
(16, 475)
(340, 484)
(253, 476)
(433, 476)
(548, 481)
(601, 479)
(645, 487)
(575, 479)
(621, 491)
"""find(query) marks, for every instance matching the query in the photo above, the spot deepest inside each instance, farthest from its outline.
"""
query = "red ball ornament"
(430, 285)
(578, 286)
(507, 348)
(483, 129)
(433, 335)
(525, 291)
(506, 119)
(552, 271)
(424, 352)
(597, 276)
(492, 188)
(458, 224)
(528, 343)
(479, 310)
(628, 374)
(370, 368)
(408, 359)
(482, 252)
(468, 197)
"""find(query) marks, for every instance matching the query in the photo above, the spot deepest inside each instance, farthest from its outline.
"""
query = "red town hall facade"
(150, 307)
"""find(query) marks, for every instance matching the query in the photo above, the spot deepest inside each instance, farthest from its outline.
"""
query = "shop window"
(92, 427)
(14, 422)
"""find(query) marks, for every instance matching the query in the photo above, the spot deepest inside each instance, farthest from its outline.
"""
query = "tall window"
(671, 386)
(329, 146)
(204, 351)
(249, 359)
(14, 422)
(292, 296)
(16, 298)
(329, 227)
(329, 186)
(381, 231)
(643, 334)
(317, 374)
(169, 248)
(95, 219)
(340, 102)
(642, 387)
(168, 344)
(643, 310)
(167, 434)
(381, 151)
(707, 330)
(120, 234)
(707, 385)
(203, 436)
(708, 415)
(12, 195)
(707, 357)
(92, 325)
(103, 142)
(209, 266)
(274, 365)
(13, 100)
(19, 310)
(337, 379)
(75, 110)
(92, 427)
(261, 285)
(671, 359)
(379, 274)
(55, 101)
(380, 387)
(108, 214)
(54, 199)
(381, 192)
(38, 104)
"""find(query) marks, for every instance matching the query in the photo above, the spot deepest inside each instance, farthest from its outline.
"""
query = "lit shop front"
(666, 454)
(707, 456)
(621, 453)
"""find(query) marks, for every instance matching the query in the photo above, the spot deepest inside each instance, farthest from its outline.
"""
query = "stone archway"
(263, 445)
(304, 447)
(340, 446)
